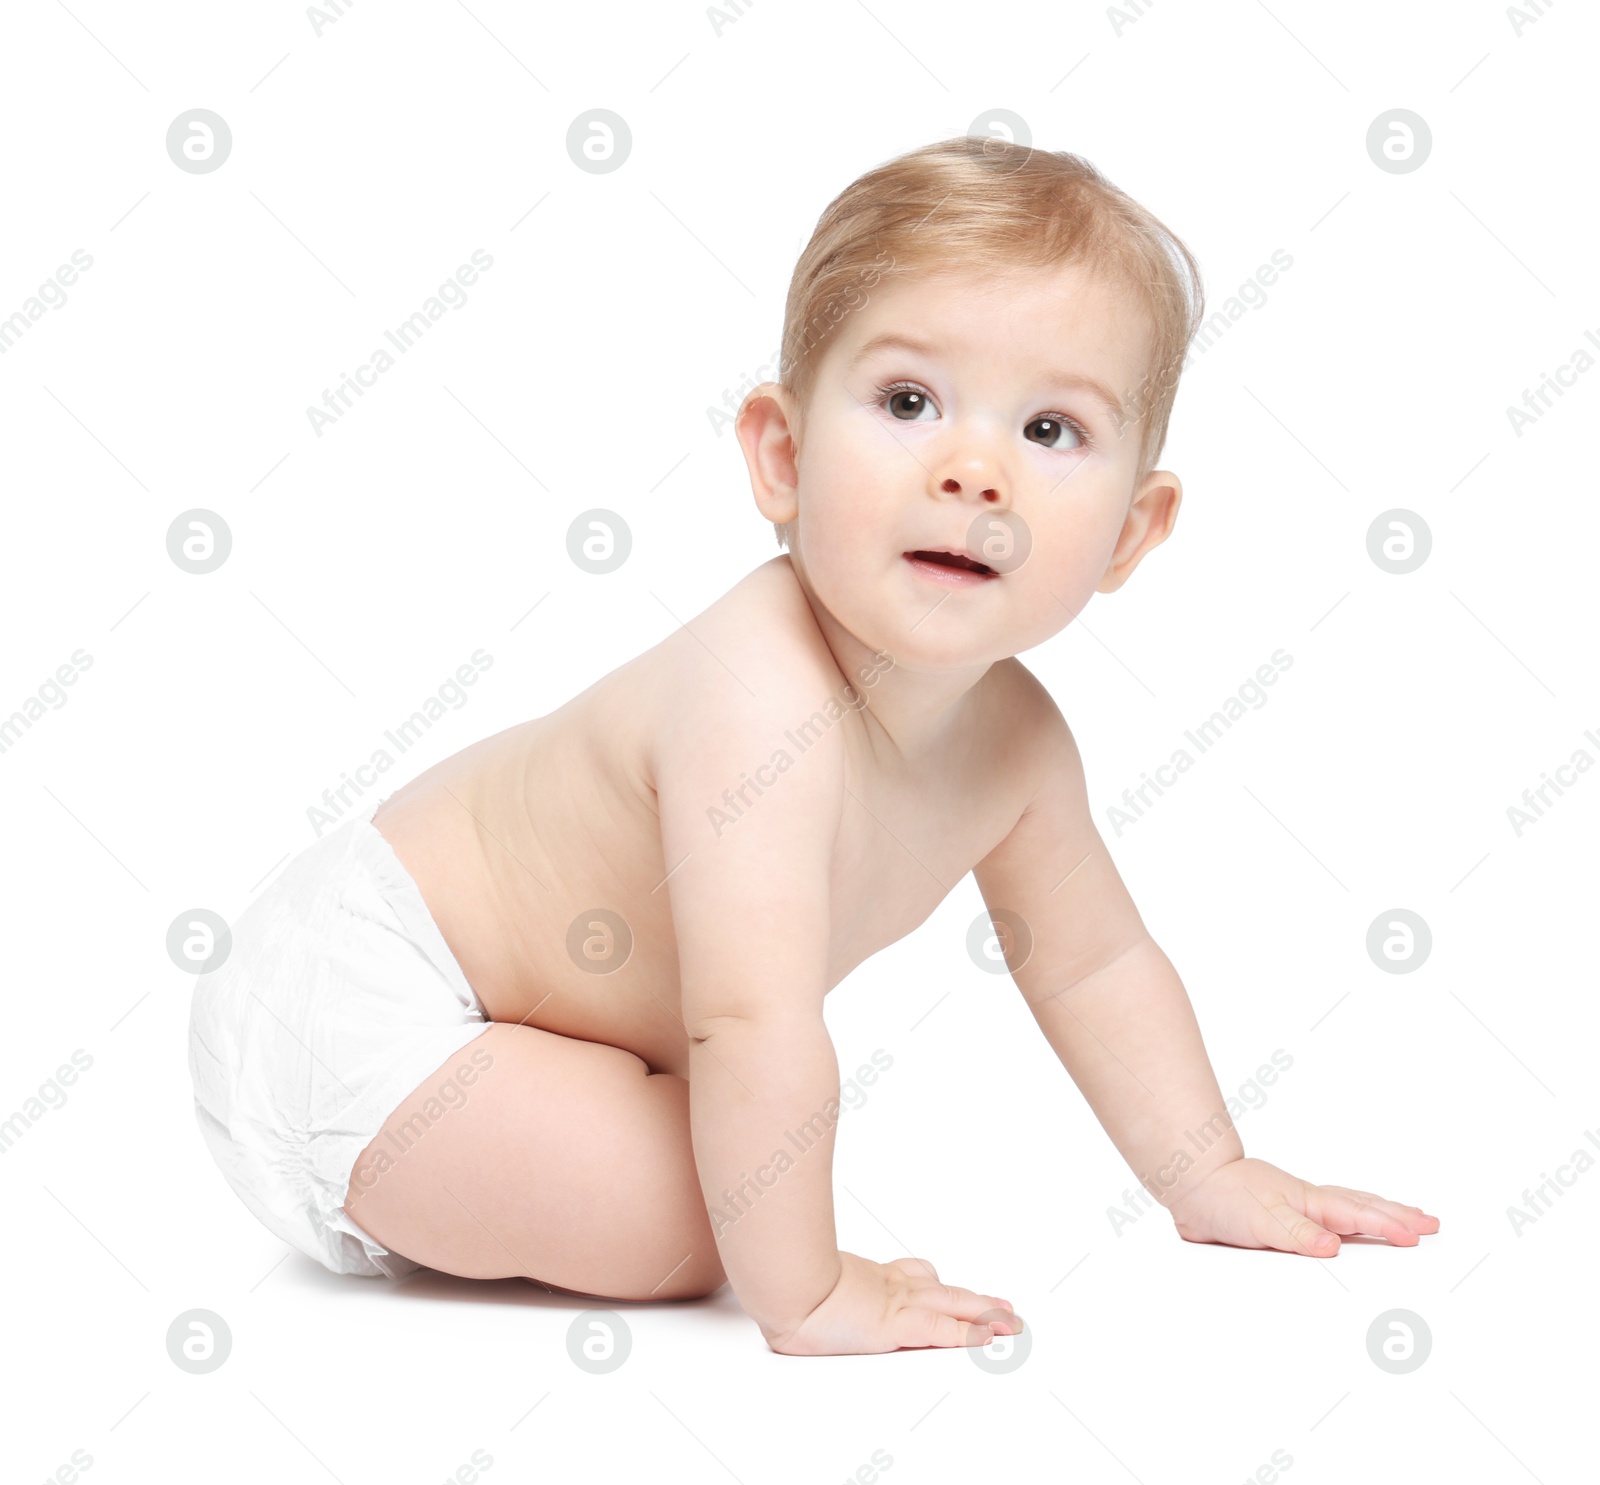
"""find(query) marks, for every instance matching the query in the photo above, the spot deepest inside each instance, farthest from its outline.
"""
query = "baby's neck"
(913, 713)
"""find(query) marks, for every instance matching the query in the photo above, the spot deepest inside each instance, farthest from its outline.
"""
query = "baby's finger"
(1282, 1227)
(916, 1325)
(914, 1268)
(1414, 1217)
(965, 1304)
(1360, 1212)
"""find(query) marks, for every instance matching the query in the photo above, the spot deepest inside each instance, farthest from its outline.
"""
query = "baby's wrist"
(777, 1321)
(1172, 1187)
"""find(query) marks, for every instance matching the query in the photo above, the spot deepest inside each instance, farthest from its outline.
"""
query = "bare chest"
(901, 849)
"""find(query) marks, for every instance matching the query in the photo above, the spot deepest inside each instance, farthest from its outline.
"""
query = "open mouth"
(953, 563)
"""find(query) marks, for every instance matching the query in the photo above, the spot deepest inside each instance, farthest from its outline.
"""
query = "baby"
(555, 1008)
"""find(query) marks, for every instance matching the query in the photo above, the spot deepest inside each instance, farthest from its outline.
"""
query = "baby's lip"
(962, 558)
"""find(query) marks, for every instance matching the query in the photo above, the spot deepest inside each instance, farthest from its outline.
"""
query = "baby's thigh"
(567, 1162)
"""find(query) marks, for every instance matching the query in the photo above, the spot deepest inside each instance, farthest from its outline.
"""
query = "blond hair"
(984, 204)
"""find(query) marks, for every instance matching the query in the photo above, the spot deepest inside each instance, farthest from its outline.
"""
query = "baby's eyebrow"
(891, 340)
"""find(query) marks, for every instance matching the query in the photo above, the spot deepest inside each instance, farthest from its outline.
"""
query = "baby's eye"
(906, 401)
(1052, 430)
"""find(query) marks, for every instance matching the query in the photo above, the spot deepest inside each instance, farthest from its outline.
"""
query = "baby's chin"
(918, 647)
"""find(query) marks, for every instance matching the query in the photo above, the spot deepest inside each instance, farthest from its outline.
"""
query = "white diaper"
(338, 997)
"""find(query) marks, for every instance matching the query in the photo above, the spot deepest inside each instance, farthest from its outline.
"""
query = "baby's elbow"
(703, 1028)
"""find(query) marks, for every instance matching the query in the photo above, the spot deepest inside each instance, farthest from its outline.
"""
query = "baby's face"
(988, 436)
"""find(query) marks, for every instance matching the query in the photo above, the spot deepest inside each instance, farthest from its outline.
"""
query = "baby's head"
(981, 349)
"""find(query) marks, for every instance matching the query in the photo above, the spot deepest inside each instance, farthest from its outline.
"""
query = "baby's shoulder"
(737, 695)
(756, 645)
(1018, 708)
(1026, 739)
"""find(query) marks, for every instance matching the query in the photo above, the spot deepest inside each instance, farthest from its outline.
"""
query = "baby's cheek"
(1067, 574)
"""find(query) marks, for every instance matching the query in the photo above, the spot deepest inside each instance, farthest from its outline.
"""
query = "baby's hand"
(879, 1307)
(1251, 1204)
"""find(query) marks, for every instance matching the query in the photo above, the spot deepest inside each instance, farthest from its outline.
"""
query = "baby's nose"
(953, 487)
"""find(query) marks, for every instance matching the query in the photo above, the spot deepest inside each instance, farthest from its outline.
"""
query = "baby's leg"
(568, 1162)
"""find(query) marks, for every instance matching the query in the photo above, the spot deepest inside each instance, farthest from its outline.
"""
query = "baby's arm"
(1112, 1007)
(750, 909)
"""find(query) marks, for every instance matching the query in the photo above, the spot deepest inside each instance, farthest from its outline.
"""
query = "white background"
(367, 164)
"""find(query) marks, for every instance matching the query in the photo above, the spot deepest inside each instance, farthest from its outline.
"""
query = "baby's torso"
(521, 836)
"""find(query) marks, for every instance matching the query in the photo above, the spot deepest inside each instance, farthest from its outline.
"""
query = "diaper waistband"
(404, 898)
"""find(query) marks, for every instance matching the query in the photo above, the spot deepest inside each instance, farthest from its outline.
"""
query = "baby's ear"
(1149, 522)
(766, 428)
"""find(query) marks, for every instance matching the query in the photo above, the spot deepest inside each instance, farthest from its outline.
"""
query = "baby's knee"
(698, 1275)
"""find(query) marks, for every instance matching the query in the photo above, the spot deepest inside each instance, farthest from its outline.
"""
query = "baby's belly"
(634, 1008)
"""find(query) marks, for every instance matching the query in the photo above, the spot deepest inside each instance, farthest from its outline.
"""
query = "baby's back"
(539, 849)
